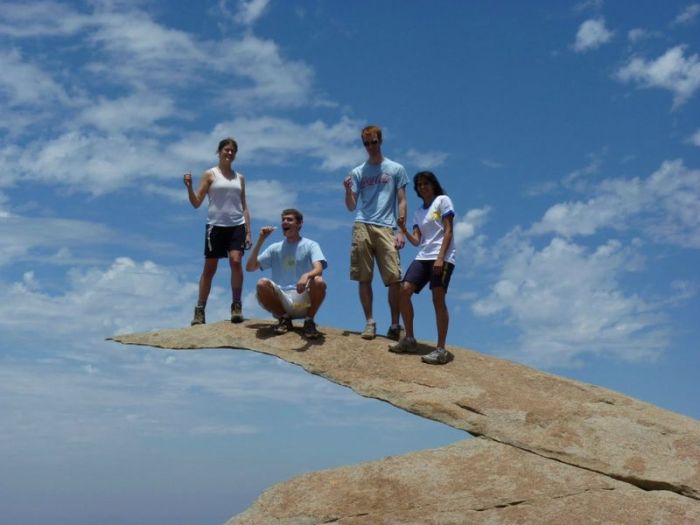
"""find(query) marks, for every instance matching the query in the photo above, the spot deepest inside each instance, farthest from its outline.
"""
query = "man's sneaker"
(236, 312)
(370, 331)
(439, 356)
(394, 332)
(310, 331)
(198, 316)
(406, 345)
(284, 325)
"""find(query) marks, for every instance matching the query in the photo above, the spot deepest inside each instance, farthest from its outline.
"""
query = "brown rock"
(473, 481)
(596, 433)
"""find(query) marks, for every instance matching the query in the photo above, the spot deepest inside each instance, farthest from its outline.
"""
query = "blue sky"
(567, 135)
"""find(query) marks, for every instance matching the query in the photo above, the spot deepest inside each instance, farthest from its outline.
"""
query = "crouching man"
(297, 288)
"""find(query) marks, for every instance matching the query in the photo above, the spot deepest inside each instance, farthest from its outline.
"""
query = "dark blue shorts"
(219, 240)
(421, 273)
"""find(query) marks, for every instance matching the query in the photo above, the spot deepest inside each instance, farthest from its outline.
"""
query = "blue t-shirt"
(376, 186)
(289, 260)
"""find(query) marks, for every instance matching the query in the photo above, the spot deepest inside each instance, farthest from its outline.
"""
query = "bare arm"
(400, 241)
(306, 277)
(196, 199)
(350, 196)
(246, 215)
(414, 237)
(446, 241)
(253, 263)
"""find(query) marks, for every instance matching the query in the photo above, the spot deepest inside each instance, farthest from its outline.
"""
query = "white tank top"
(225, 206)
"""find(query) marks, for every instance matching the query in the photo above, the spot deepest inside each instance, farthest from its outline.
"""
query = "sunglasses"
(370, 142)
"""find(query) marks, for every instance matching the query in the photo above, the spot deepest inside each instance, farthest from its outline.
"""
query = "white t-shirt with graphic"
(429, 222)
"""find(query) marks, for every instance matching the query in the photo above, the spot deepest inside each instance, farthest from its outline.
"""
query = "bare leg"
(234, 261)
(407, 291)
(206, 278)
(317, 293)
(269, 300)
(366, 297)
(442, 316)
(393, 294)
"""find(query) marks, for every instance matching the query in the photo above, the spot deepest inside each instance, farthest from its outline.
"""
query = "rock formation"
(549, 450)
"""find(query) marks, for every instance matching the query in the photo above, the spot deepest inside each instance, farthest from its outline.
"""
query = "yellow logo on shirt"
(435, 215)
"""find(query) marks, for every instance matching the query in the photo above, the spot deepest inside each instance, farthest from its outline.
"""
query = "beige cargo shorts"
(370, 242)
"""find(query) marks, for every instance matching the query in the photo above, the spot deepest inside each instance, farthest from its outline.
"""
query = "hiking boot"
(310, 331)
(439, 356)
(395, 332)
(284, 325)
(370, 331)
(198, 316)
(407, 345)
(236, 312)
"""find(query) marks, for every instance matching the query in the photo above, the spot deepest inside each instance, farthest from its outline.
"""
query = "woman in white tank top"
(228, 226)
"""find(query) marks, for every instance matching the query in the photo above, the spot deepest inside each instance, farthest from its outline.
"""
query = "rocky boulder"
(550, 450)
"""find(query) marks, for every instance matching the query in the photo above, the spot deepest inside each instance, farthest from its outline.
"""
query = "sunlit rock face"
(549, 450)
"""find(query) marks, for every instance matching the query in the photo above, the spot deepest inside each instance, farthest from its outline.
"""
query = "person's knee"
(318, 283)
(264, 287)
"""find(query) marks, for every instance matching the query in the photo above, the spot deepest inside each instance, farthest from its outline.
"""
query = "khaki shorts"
(370, 242)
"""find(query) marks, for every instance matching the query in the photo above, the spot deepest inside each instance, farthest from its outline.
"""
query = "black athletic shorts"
(420, 273)
(219, 240)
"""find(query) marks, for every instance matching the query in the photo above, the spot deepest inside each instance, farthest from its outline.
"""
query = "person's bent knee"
(317, 282)
(264, 285)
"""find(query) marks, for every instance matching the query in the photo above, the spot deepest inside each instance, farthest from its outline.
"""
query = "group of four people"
(376, 190)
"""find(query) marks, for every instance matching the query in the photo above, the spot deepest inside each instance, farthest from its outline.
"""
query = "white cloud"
(40, 19)
(695, 138)
(20, 237)
(268, 198)
(249, 11)
(639, 34)
(134, 112)
(471, 245)
(671, 71)
(428, 160)
(24, 84)
(466, 227)
(565, 301)
(491, 164)
(130, 47)
(99, 163)
(591, 35)
(594, 5)
(688, 15)
(664, 206)
(276, 81)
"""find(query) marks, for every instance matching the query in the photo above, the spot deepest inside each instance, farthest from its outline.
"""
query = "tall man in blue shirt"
(376, 189)
(297, 288)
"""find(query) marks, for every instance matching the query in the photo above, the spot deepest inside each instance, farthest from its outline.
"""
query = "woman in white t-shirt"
(432, 231)
(228, 226)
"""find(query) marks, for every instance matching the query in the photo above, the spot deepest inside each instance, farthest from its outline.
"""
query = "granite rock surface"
(548, 447)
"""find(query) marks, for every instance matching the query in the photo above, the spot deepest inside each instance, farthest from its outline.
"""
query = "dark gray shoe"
(395, 332)
(284, 325)
(407, 345)
(439, 356)
(198, 316)
(310, 331)
(236, 312)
